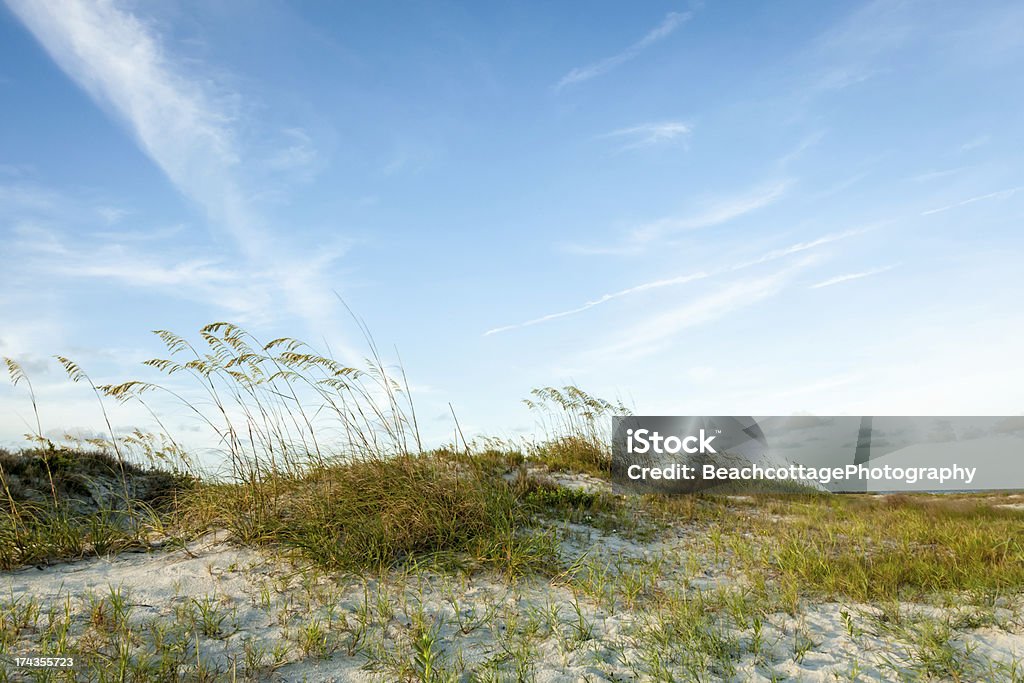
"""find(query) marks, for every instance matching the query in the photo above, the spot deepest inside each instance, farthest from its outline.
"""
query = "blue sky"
(714, 208)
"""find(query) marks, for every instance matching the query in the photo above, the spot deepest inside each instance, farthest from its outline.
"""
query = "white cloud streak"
(929, 176)
(684, 279)
(298, 155)
(799, 247)
(854, 50)
(991, 195)
(669, 24)
(977, 142)
(121, 64)
(850, 276)
(714, 214)
(648, 134)
(184, 126)
(711, 214)
(650, 335)
(656, 284)
(46, 253)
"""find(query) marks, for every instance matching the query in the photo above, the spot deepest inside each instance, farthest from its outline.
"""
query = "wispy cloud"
(807, 142)
(798, 247)
(647, 134)
(150, 234)
(45, 253)
(16, 198)
(686, 278)
(850, 276)
(652, 334)
(870, 30)
(714, 213)
(977, 142)
(655, 284)
(842, 77)
(1001, 194)
(111, 214)
(929, 176)
(298, 153)
(181, 122)
(709, 214)
(670, 23)
(184, 128)
(855, 49)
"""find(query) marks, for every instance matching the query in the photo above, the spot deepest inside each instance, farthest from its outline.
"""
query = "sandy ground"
(251, 613)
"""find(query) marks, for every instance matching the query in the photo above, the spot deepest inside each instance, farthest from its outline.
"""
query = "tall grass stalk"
(18, 375)
(321, 457)
(576, 428)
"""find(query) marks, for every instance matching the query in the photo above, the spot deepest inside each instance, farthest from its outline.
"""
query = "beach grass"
(325, 470)
(373, 514)
(888, 547)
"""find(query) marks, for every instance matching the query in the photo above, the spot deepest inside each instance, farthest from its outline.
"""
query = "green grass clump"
(376, 513)
(59, 503)
(577, 429)
(319, 456)
(882, 548)
(574, 454)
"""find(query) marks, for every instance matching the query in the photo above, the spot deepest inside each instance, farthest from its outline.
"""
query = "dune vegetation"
(325, 471)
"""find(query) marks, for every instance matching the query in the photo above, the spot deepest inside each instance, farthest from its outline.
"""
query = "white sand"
(481, 621)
